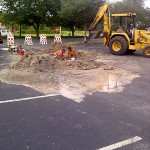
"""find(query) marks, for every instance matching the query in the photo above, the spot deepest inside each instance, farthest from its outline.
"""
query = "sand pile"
(72, 79)
(44, 61)
(56, 46)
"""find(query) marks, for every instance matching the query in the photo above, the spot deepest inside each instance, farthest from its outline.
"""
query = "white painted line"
(122, 143)
(28, 98)
(5, 49)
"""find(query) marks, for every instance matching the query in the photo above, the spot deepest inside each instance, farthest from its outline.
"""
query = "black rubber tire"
(130, 51)
(146, 52)
(123, 43)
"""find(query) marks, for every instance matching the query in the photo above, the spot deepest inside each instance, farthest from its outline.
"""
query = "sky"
(147, 2)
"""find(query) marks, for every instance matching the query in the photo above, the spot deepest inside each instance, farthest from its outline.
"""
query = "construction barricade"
(10, 40)
(57, 38)
(43, 39)
(28, 40)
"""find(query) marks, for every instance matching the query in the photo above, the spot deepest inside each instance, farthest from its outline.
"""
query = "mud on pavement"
(73, 79)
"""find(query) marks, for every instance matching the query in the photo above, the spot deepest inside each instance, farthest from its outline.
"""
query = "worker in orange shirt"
(59, 54)
(71, 53)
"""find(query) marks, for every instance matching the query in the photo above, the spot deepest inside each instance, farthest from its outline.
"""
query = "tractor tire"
(129, 51)
(118, 45)
(146, 52)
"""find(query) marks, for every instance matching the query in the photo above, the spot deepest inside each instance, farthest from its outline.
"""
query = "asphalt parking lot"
(103, 121)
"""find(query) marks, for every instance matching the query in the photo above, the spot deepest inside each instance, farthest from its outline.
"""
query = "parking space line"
(122, 143)
(28, 98)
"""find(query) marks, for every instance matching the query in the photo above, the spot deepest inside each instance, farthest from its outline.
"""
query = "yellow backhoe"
(126, 38)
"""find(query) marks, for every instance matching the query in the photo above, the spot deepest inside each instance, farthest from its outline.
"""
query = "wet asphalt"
(58, 123)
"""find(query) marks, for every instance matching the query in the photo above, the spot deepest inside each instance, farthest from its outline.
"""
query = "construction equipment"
(127, 38)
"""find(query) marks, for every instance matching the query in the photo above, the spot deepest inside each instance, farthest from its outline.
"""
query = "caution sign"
(10, 39)
(28, 40)
(57, 38)
(43, 39)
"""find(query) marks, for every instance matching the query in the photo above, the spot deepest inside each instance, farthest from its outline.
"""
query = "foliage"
(76, 13)
(131, 6)
(31, 12)
(135, 2)
(72, 14)
(147, 18)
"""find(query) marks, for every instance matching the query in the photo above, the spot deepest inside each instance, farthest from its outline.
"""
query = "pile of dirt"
(45, 62)
(83, 55)
(56, 46)
(72, 79)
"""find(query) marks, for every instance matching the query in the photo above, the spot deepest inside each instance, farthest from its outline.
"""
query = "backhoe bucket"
(94, 34)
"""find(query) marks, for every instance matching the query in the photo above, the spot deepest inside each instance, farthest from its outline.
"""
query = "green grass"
(63, 33)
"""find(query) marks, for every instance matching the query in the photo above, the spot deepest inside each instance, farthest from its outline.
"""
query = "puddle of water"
(73, 91)
(114, 83)
(73, 84)
(102, 81)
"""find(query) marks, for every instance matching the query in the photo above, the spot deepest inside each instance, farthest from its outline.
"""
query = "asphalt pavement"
(34, 121)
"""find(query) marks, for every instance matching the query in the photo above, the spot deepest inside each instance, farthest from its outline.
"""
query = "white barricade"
(28, 40)
(10, 39)
(57, 38)
(43, 39)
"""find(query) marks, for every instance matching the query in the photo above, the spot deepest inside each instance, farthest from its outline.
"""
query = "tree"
(67, 14)
(88, 9)
(131, 6)
(9, 12)
(31, 12)
(147, 17)
(141, 2)
(78, 13)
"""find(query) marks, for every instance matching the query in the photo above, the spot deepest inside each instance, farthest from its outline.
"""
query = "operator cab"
(124, 23)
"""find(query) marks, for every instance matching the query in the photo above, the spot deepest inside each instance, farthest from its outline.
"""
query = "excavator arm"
(102, 14)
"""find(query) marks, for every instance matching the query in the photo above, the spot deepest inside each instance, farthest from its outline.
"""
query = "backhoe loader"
(127, 38)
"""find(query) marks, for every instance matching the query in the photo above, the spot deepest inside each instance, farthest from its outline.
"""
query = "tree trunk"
(73, 30)
(37, 29)
(84, 30)
(37, 32)
(20, 29)
(12, 28)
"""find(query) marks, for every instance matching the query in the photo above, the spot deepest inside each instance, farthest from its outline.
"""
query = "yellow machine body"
(120, 41)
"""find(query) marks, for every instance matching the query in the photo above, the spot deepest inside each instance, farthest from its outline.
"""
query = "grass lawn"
(63, 33)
